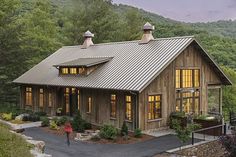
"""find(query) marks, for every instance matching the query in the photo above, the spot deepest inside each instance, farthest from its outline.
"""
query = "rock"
(39, 145)
(21, 116)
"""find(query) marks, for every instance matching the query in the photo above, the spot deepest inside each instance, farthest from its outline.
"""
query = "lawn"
(12, 145)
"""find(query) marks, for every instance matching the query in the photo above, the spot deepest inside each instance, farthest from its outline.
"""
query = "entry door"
(73, 101)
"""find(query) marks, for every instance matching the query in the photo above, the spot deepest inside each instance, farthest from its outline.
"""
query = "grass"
(12, 144)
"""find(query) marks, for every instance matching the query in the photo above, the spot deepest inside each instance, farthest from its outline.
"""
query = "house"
(141, 82)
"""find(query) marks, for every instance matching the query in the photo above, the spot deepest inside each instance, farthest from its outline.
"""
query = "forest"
(31, 30)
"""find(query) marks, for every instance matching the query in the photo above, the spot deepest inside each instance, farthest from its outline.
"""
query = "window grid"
(28, 96)
(41, 97)
(113, 106)
(128, 108)
(154, 107)
(89, 107)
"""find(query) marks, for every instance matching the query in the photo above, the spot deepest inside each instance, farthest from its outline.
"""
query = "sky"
(188, 10)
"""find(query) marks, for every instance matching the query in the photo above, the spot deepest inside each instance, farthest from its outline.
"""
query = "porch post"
(221, 93)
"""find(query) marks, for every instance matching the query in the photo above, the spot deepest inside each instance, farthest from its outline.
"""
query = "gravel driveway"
(56, 145)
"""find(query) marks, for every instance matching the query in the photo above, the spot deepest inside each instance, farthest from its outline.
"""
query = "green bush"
(62, 120)
(137, 133)
(124, 129)
(33, 118)
(53, 125)
(56, 120)
(40, 114)
(178, 114)
(7, 116)
(78, 123)
(45, 121)
(108, 132)
(87, 125)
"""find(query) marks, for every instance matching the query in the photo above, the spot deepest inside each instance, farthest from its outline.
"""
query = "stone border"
(21, 126)
(188, 146)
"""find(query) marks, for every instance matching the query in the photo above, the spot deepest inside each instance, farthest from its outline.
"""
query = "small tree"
(78, 123)
(183, 133)
(124, 129)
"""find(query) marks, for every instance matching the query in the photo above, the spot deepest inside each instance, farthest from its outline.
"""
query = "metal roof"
(133, 66)
(86, 62)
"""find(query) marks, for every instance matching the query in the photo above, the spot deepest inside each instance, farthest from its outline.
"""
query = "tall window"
(187, 100)
(89, 107)
(128, 108)
(49, 99)
(64, 70)
(113, 106)
(154, 107)
(187, 78)
(67, 99)
(78, 99)
(28, 96)
(41, 97)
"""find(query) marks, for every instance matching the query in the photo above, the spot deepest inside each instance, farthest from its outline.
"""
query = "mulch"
(118, 140)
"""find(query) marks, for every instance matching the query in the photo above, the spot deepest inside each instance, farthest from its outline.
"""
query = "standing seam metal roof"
(132, 68)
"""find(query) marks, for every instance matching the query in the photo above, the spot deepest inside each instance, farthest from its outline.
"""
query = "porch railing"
(202, 131)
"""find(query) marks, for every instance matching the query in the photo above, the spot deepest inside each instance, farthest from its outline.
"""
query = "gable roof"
(85, 62)
(132, 68)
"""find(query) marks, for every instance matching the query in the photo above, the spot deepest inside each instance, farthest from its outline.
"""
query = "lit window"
(196, 78)
(67, 99)
(113, 106)
(41, 97)
(154, 107)
(73, 71)
(78, 100)
(64, 70)
(89, 107)
(49, 99)
(177, 78)
(28, 96)
(128, 108)
(188, 102)
(187, 77)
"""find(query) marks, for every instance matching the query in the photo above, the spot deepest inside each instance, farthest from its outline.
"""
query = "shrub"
(178, 114)
(53, 125)
(40, 114)
(62, 120)
(33, 118)
(78, 123)
(56, 120)
(7, 116)
(108, 132)
(137, 133)
(229, 143)
(87, 125)
(45, 121)
(124, 129)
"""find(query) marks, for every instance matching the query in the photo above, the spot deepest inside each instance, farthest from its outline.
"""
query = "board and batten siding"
(164, 84)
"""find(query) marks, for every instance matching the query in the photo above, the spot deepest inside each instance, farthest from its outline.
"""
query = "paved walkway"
(56, 145)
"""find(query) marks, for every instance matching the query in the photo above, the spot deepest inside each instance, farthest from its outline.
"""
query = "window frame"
(41, 97)
(113, 103)
(28, 96)
(89, 105)
(154, 106)
(50, 99)
(128, 113)
(193, 78)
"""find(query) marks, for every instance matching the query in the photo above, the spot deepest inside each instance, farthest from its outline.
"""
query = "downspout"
(136, 123)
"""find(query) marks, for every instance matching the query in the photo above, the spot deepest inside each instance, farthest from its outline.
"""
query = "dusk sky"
(188, 10)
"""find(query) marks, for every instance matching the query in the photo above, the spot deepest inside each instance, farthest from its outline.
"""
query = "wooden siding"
(164, 85)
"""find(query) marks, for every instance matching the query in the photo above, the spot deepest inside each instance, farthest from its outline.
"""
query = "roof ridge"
(133, 41)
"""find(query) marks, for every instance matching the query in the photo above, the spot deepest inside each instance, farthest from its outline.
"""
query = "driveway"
(56, 145)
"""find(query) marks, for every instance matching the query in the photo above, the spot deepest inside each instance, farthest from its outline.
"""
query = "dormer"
(81, 66)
